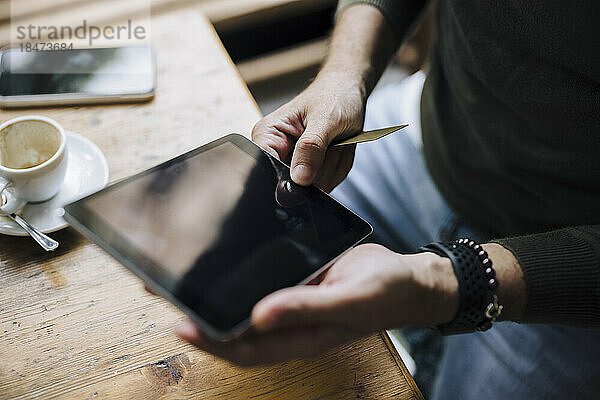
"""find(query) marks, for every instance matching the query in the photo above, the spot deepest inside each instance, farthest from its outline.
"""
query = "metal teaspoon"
(47, 243)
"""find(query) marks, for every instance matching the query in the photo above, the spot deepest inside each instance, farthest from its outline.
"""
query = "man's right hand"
(334, 104)
(300, 131)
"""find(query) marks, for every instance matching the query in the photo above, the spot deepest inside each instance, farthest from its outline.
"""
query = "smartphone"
(78, 76)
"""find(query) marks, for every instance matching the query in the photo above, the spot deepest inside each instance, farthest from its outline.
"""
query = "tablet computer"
(217, 229)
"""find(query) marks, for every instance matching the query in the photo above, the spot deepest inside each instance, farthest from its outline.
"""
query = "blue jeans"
(390, 187)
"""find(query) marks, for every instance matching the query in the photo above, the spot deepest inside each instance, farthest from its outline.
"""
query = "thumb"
(302, 305)
(309, 154)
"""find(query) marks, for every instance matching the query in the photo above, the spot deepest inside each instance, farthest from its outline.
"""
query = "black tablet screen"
(222, 228)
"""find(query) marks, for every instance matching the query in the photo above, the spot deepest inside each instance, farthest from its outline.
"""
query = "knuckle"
(267, 143)
(346, 118)
(312, 143)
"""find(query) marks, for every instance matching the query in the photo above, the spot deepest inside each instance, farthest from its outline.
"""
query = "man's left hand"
(369, 289)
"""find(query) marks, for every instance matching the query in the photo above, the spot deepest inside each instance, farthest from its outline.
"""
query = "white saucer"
(87, 172)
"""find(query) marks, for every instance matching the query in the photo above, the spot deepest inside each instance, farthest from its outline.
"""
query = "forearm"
(561, 270)
(361, 45)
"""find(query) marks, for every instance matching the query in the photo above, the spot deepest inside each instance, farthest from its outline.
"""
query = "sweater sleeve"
(562, 274)
(400, 13)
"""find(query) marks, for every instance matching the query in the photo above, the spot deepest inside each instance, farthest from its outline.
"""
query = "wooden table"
(76, 324)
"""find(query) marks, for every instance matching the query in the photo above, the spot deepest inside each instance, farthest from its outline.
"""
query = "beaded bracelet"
(477, 286)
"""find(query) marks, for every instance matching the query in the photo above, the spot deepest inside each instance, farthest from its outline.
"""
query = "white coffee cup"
(33, 161)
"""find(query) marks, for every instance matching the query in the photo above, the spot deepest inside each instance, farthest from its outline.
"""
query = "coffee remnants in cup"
(26, 144)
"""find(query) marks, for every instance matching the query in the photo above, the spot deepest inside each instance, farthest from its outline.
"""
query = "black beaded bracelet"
(477, 285)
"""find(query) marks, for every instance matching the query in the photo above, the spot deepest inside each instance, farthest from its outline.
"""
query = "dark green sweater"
(510, 115)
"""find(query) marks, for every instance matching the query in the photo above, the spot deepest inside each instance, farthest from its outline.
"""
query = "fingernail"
(300, 174)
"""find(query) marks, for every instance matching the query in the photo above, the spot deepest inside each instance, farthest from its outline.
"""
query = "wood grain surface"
(76, 324)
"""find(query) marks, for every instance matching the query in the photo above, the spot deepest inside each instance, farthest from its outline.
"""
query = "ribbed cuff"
(562, 273)
(400, 13)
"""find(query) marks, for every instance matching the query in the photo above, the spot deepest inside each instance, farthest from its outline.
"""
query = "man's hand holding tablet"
(368, 289)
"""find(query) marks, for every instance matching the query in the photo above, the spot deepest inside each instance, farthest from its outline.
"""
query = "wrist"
(452, 304)
(436, 279)
(511, 284)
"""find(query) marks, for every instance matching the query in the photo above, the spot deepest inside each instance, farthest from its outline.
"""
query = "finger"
(338, 172)
(328, 169)
(344, 166)
(187, 330)
(270, 347)
(235, 351)
(309, 154)
(275, 138)
(301, 305)
(272, 152)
